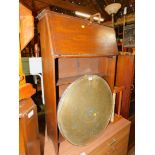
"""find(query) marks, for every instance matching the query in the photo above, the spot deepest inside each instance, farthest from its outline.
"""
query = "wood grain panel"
(48, 64)
(124, 77)
(71, 39)
(116, 145)
(107, 67)
(26, 26)
(69, 67)
(111, 71)
(62, 89)
(28, 128)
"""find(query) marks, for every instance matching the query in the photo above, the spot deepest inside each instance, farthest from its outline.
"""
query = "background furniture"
(125, 77)
(29, 143)
(72, 47)
(125, 37)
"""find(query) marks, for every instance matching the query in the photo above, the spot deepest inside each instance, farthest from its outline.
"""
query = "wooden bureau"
(72, 47)
(113, 141)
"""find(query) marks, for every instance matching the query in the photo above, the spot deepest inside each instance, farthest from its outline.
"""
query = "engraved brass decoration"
(85, 109)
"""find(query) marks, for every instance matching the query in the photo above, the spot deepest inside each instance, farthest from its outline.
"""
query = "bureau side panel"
(48, 64)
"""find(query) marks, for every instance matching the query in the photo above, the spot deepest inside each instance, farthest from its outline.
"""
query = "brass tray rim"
(61, 102)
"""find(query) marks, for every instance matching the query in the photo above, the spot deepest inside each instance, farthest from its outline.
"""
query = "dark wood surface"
(111, 71)
(26, 22)
(68, 51)
(69, 38)
(132, 132)
(38, 5)
(86, 6)
(70, 79)
(124, 77)
(116, 145)
(48, 64)
(28, 128)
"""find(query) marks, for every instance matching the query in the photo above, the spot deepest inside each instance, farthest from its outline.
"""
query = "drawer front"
(116, 145)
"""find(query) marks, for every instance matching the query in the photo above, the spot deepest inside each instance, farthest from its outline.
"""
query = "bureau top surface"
(70, 36)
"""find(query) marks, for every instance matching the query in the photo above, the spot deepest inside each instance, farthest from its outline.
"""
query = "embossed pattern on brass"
(85, 109)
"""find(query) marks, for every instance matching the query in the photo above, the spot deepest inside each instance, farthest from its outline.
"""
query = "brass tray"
(85, 109)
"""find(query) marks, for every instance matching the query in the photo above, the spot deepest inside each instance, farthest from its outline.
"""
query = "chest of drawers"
(113, 141)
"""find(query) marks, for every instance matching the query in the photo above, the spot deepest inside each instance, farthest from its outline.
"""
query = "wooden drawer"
(116, 145)
(113, 141)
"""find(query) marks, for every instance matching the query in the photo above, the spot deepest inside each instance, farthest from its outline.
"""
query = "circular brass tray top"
(85, 109)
